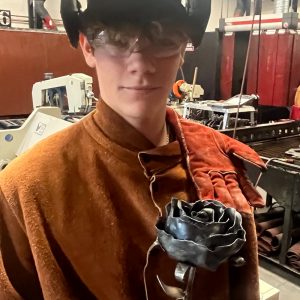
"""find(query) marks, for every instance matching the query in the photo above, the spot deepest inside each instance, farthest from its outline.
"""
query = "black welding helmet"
(190, 15)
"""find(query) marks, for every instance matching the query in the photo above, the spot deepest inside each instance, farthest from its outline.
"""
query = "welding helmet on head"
(190, 15)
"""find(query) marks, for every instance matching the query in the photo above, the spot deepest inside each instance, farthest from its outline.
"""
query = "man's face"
(138, 83)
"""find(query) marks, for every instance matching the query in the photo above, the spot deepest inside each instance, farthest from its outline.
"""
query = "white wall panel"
(17, 7)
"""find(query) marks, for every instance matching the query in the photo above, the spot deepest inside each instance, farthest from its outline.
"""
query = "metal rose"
(202, 234)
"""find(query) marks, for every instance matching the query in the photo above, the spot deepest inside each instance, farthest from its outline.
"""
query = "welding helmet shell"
(192, 17)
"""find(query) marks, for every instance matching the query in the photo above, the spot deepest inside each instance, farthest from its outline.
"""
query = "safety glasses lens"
(158, 41)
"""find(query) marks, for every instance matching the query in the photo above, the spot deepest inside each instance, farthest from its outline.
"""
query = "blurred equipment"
(244, 7)
(73, 94)
(11, 123)
(221, 114)
(39, 17)
(183, 91)
(42, 122)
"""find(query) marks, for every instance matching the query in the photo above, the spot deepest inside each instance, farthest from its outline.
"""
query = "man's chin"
(138, 109)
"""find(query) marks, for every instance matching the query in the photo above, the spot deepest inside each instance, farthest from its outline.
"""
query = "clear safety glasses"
(155, 39)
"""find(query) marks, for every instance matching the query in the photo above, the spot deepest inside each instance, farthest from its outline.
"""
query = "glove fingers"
(250, 192)
(230, 189)
(221, 192)
(205, 187)
(234, 188)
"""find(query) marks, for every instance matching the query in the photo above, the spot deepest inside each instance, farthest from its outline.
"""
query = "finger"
(221, 192)
(204, 186)
(232, 184)
(250, 191)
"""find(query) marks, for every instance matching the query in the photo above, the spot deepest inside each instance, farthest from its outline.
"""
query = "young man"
(79, 210)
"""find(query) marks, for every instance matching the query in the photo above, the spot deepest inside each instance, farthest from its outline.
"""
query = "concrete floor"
(288, 290)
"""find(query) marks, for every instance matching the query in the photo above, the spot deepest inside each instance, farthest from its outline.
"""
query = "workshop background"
(36, 61)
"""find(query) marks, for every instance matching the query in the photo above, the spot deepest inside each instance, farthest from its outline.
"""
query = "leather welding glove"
(215, 162)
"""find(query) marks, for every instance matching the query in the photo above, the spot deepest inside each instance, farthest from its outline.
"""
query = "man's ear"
(87, 51)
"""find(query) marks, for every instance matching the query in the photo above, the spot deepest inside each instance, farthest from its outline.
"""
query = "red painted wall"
(227, 60)
(283, 69)
(24, 58)
(267, 67)
(275, 76)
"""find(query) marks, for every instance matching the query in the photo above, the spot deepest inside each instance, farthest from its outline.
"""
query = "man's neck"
(152, 126)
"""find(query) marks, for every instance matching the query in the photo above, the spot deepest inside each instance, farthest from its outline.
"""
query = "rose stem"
(190, 284)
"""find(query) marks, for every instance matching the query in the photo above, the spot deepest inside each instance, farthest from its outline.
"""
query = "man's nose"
(141, 62)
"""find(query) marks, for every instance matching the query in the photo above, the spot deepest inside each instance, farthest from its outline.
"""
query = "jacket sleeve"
(18, 278)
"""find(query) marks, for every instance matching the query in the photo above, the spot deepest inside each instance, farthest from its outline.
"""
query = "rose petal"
(204, 233)
(185, 230)
(217, 240)
(196, 254)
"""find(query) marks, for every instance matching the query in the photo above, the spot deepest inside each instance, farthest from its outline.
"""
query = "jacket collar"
(119, 130)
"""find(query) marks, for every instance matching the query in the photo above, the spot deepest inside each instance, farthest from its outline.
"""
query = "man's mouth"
(141, 88)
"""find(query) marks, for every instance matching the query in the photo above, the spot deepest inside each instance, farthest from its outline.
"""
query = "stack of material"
(269, 230)
(293, 254)
(269, 235)
(269, 242)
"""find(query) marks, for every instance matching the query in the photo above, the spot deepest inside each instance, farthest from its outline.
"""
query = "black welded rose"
(202, 234)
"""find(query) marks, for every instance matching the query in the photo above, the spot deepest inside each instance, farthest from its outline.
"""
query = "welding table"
(281, 180)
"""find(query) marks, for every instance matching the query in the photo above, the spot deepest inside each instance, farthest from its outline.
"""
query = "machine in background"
(221, 115)
(58, 102)
(183, 92)
(41, 123)
(73, 94)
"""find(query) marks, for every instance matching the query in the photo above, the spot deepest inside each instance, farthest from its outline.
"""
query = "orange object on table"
(176, 89)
